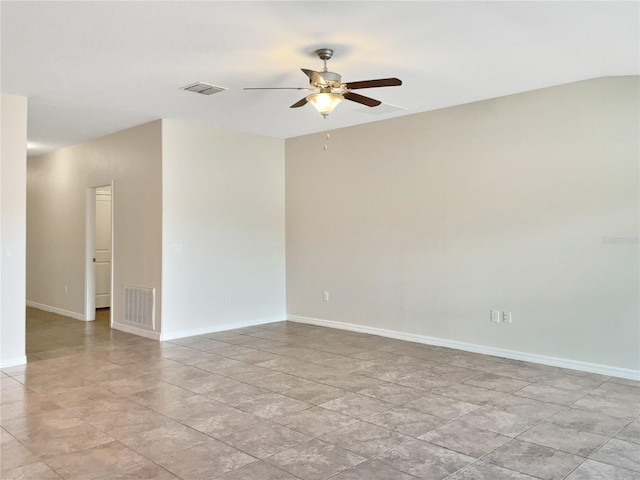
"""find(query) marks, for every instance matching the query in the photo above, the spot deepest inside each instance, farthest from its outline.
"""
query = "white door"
(102, 255)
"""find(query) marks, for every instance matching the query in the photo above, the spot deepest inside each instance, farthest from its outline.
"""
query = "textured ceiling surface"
(92, 68)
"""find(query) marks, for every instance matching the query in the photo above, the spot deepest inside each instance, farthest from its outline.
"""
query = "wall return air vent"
(139, 306)
(203, 88)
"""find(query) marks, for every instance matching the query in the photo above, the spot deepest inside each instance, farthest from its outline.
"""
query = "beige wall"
(526, 203)
(222, 229)
(56, 215)
(416, 225)
(13, 179)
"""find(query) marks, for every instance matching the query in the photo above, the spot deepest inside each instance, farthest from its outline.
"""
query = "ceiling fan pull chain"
(327, 135)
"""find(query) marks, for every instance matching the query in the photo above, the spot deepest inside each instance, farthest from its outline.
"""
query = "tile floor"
(289, 401)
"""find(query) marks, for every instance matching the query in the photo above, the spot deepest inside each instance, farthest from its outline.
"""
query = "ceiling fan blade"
(369, 102)
(314, 76)
(381, 82)
(299, 103)
(278, 88)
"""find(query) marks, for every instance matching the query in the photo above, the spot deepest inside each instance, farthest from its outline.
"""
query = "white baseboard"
(470, 347)
(13, 362)
(141, 332)
(217, 328)
(59, 311)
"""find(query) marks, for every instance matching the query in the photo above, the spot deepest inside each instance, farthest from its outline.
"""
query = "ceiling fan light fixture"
(328, 89)
(324, 102)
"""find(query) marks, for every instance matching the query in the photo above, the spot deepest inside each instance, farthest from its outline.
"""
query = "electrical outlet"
(325, 296)
(66, 290)
(495, 316)
(506, 317)
(227, 299)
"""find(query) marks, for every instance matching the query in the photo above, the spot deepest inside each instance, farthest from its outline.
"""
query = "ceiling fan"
(328, 90)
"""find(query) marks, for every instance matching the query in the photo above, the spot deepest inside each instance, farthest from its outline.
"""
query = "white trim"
(471, 347)
(89, 246)
(59, 311)
(217, 328)
(13, 362)
(113, 255)
(136, 331)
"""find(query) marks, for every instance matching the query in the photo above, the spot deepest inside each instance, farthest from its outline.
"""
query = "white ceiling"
(92, 68)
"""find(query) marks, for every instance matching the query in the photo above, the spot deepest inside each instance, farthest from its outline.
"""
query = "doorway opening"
(99, 253)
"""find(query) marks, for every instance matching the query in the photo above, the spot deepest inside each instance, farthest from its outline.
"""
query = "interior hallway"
(287, 401)
(50, 335)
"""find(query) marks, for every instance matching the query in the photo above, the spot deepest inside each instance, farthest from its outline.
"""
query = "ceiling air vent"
(203, 88)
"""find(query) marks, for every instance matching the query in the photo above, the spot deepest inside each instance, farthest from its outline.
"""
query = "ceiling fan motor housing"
(331, 77)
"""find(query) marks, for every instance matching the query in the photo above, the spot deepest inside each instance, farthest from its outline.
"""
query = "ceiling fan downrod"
(324, 54)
